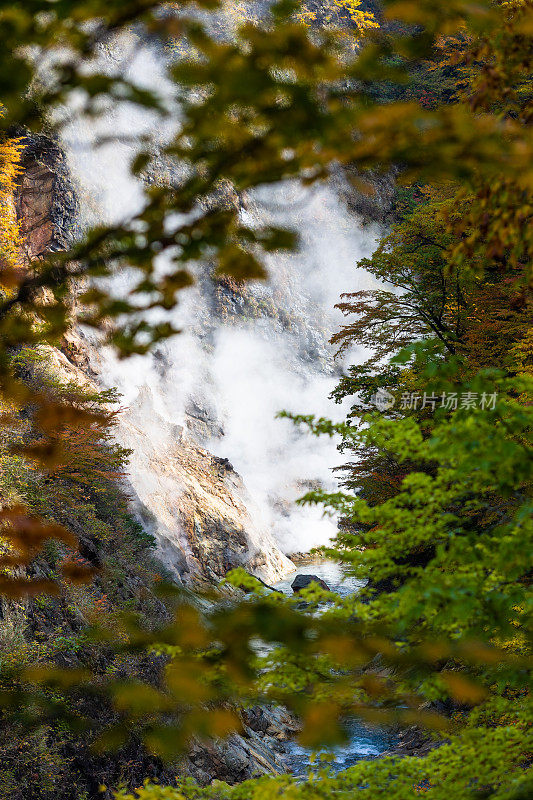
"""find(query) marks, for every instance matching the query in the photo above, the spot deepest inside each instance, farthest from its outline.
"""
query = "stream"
(365, 741)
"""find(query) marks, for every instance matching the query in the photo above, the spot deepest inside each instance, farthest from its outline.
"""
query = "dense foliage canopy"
(436, 504)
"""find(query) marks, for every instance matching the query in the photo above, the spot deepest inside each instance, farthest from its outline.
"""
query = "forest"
(266, 275)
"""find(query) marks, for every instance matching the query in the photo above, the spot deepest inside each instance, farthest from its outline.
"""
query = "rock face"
(193, 502)
(258, 750)
(370, 196)
(46, 202)
(412, 741)
(303, 581)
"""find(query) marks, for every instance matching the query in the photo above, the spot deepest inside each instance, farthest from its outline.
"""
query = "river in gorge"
(365, 741)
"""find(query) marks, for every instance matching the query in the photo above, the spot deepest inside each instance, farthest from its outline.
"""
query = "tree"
(281, 101)
(424, 298)
(9, 231)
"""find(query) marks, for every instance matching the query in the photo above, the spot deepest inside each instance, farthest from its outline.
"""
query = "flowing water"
(333, 573)
(364, 741)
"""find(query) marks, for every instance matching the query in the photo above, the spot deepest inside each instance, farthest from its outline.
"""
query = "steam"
(225, 378)
(261, 367)
(100, 149)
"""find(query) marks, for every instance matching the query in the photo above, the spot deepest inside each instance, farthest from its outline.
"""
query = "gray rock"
(256, 719)
(236, 760)
(302, 582)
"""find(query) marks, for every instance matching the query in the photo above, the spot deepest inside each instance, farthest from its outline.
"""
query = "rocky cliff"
(192, 501)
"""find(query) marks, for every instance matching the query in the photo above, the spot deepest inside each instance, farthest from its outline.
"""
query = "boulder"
(302, 582)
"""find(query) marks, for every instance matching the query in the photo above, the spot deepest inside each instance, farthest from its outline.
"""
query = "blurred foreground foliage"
(437, 506)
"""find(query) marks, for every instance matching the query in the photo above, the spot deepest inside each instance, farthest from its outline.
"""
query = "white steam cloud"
(238, 373)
